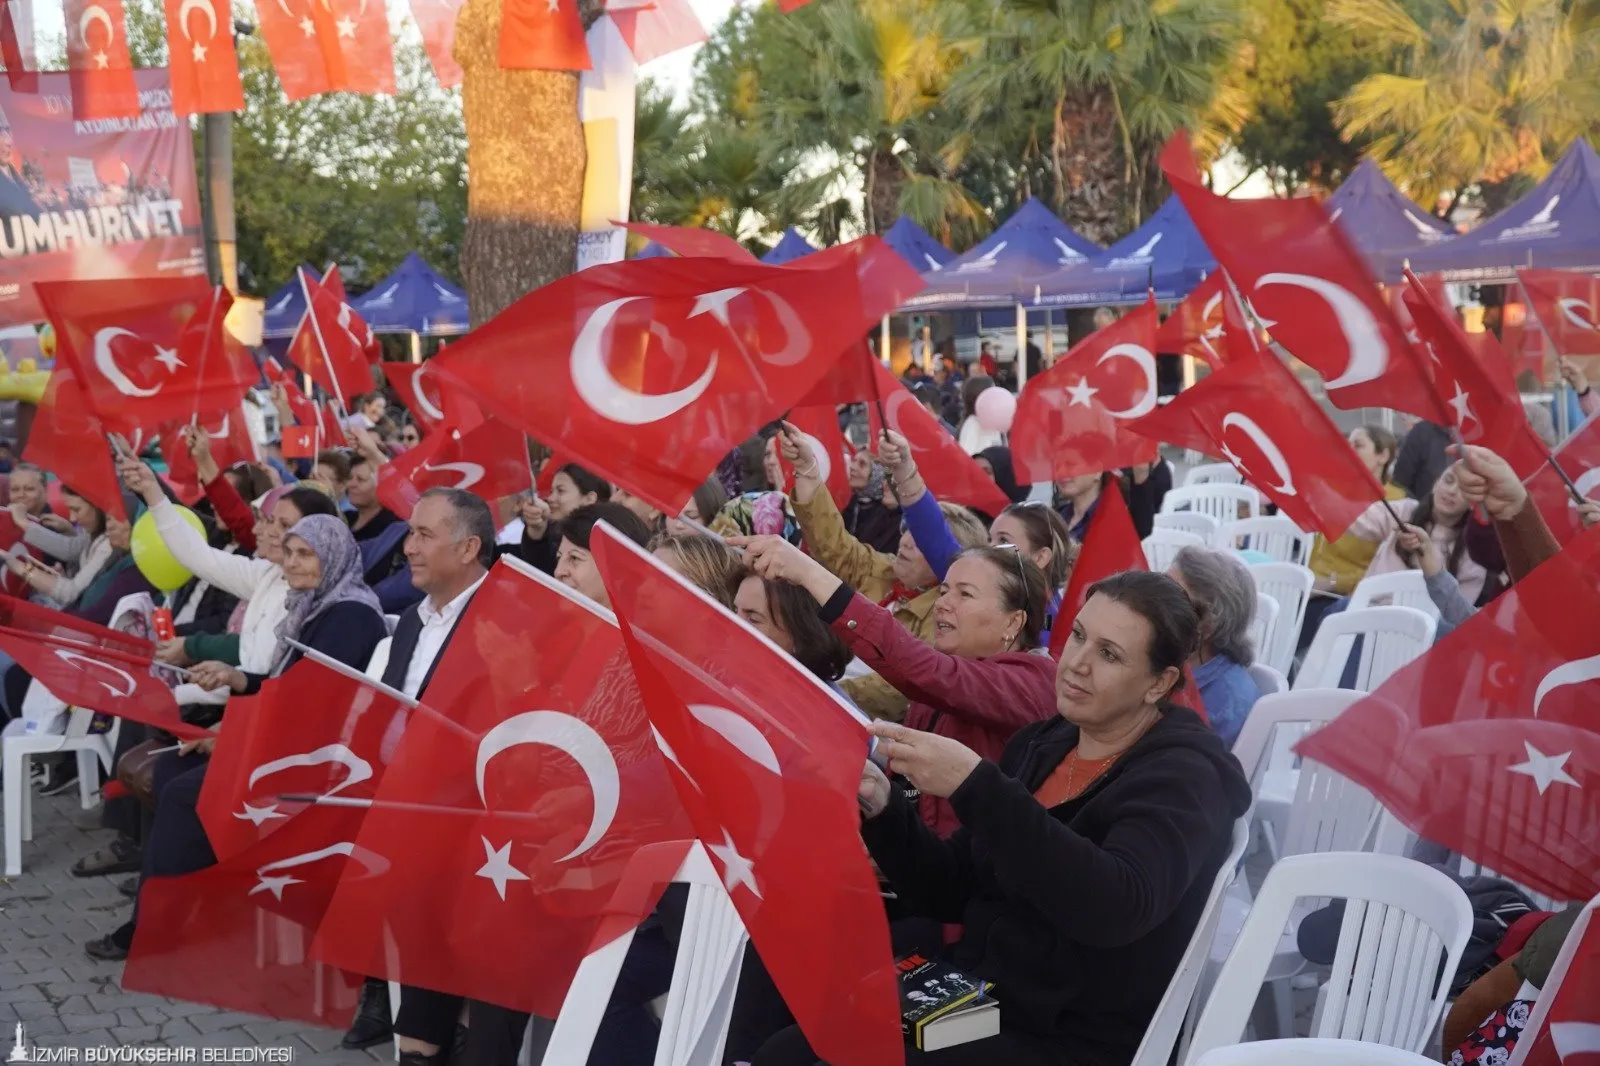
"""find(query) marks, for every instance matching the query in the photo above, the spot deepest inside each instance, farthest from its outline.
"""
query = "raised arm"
(231, 573)
(1487, 481)
(917, 505)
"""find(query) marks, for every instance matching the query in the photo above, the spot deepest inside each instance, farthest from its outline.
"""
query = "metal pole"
(416, 347)
(1022, 346)
(217, 217)
(883, 341)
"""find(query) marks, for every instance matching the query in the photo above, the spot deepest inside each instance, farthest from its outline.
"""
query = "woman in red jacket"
(984, 678)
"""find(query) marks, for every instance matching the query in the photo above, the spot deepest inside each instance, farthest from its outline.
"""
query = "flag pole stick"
(1560, 398)
(883, 427)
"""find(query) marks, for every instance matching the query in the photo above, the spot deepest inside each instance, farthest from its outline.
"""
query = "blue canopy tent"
(1166, 253)
(790, 246)
(652, 250)
(915, 246)
(994, 272)
(1385, 224)
(285, 308)
(414, 299)
(1557, 225)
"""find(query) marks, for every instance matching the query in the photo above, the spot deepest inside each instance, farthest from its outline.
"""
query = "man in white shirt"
(450, 549)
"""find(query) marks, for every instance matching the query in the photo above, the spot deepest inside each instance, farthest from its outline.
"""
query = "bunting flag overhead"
(201, 57)
(98, 61)
(323, 46)
(436, 19)
(542, 35)
(16, 45)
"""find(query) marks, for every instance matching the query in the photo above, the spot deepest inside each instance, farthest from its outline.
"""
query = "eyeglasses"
(1022, 574)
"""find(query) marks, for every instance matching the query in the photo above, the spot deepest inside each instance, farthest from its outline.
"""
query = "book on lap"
(941, 1007)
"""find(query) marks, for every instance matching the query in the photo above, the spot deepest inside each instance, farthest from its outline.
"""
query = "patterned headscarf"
(341, 580)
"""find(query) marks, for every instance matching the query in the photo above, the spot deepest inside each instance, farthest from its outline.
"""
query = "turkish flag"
(490, 461)
(1579, 456)
(658, 28)
(820, 427)
(11, 543)
(436, 19)
(70, 442)
(238, 935)
(542, 35)
(1074, 418)
(418, 392)
(307, 414)
(852, 379)
(88, 665)
(1110, 546)
(333, 285)
(766, 760)
(148, 351)
(690, 241)
(272, 748)
(1311, 290)
(16, 45)
(1565, 306)
(100, 68)
(1570, 1035)
(323, 46)
(1255, 413)
(527, 813)
(1474, 383)
(201, 56)
(950, 473)
(230, 440)
(331, 341)
(649, 371)
(1520, 755)
(1205, 323)
(300, 442)
(330, 434)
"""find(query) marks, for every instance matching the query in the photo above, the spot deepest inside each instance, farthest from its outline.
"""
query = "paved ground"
(65, 999)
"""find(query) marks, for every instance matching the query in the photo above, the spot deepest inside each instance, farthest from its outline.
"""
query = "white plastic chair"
(1392, 637)
(1403, 588)
(1203, 525)
(1401, 920)
(1161, 1035)
(1313, 1052)
(1162, 545)
(1291, 586)
(1221, 501)
(1264, 626)
(1565, 1042)
(1268, 680)
(1213, 474)
(93, 751)
(1272, 535)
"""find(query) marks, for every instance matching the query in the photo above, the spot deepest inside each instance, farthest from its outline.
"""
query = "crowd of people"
(1051, 825)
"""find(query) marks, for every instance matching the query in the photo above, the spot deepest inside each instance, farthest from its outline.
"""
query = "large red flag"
(90, 666)
(648, 372)
(1489, 743)
(323, 46)
(1110, 546)
(314, 731)
(950, 473)
(1570, 1035)
(658, 28)
(228, 434)
(1206, 323)
(1474, 382)
(436, 19)
(201, 57)
(16, 45)
(768, 761)
(1255, 413)
(419, 392)
(542, 35)
(98, 61)
(851, 380)
(1311, 289)
(330, 343)
(1579, 456)
(517, 808)
(1074, 418)
(70, 442)
(149, 351)
(1565, 306)
(491, 461)
(820, 428)
(691, 240)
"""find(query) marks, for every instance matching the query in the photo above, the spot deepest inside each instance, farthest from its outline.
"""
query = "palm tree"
(1481, 90)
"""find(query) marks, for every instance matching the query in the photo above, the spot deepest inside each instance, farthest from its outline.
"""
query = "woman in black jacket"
(1085, 857)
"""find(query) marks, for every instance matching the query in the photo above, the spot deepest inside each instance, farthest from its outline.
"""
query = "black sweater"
(1078, 913)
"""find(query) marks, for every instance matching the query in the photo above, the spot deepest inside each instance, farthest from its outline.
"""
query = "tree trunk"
(525, 161)
(1096, 187)
(883, 189)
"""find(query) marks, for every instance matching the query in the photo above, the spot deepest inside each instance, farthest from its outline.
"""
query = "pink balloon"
(995, 408)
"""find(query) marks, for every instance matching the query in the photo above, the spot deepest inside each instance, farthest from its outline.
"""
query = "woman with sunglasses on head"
(1033, 527)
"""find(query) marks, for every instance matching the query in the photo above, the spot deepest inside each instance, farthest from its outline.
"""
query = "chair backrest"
(1213, 474)
(1390, 638)
(1568, 1037)
(1162, 545)
(1401, 921)
(1268, 680)
(1272, 535)
(1295, 713)
(1312, 1051)
(1403, 588)
(1291, 586)
(1162, 1033)
(1190, 522)
(1225, 503)
(1264, 626)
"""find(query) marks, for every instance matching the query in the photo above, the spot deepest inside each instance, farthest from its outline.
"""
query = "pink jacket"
(980, 702)
(1375, 524)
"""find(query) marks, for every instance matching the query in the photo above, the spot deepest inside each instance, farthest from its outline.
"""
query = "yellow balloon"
(151, 556)
(47, 341)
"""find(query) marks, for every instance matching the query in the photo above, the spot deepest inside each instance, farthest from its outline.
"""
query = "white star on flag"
(1461, 401)
(497, 866)
(256, 815)
(168, 357)
(714, 302)
(1546, 770)
(736, 869)
(1081, 393)
(346, 27)
(199, 53)
(553, 5)
(275, 885)
(308, 27)
(102, 60)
